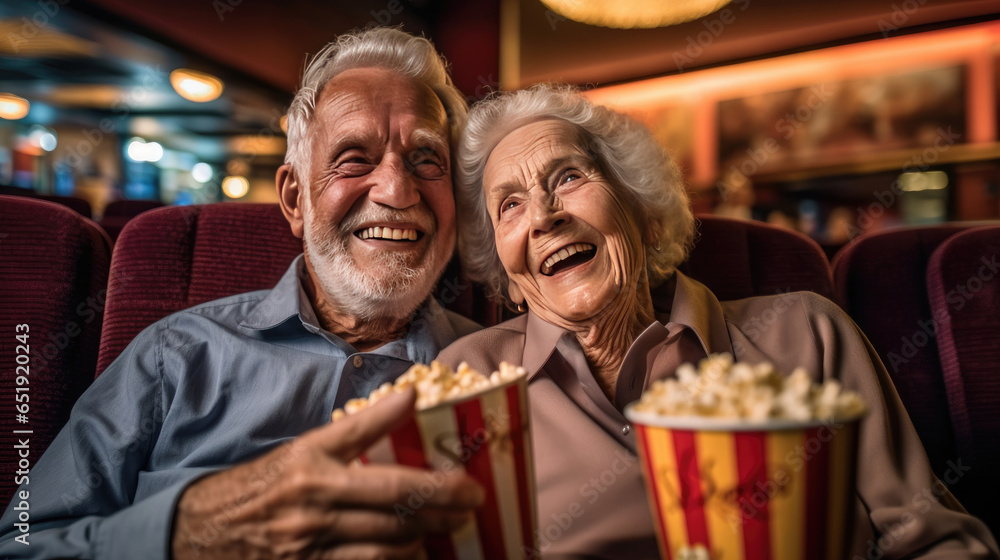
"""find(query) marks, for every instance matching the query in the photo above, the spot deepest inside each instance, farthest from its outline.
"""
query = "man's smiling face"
(379, 214)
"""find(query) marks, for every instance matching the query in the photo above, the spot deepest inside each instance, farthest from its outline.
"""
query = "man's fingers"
(386, 486)
(348, 437)
(362, 551)
(365, 525)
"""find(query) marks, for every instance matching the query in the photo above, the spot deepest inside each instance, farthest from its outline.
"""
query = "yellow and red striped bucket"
(780, 490)
(487, 435)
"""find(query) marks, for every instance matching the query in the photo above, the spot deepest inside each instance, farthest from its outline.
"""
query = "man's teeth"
(564, 253)
(389, 233)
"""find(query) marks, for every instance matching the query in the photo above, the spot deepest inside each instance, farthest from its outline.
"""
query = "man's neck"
(364, 335)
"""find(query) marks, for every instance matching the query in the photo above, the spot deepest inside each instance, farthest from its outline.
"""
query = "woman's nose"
(546, 214)
(394, 185)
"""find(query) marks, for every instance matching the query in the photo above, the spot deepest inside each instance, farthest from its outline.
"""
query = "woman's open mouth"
(389, 234)
(568, 257)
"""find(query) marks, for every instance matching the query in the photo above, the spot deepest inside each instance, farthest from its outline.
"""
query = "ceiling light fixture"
(13, 107)
(140, 150)
(235, 186)
(195, 86)
(201, 172)
(644, 14)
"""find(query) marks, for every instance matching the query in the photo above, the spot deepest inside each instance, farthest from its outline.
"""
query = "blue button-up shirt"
(199, 390)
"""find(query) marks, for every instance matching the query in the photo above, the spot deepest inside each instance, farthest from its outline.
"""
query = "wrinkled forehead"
(553, 130)
(532, 141)
(383, 91)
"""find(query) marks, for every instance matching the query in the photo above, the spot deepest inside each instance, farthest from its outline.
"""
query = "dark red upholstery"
(53, 274)
(176, 257)
(737, 259)
(879, 280)
(78, 205)
(172, 258)
(130, 208)
(118, 213)
(963, 281)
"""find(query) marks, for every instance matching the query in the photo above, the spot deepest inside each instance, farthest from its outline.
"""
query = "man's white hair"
(625, 151)
(380, 47)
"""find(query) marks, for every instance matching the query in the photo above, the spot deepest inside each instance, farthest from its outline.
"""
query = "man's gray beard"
(390, 292)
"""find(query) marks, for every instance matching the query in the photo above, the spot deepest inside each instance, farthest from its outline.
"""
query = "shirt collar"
(286, 300)
(430, 330)
(693, 305)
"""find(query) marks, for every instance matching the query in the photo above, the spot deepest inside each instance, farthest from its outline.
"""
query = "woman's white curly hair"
(624, 150)
(382, 47)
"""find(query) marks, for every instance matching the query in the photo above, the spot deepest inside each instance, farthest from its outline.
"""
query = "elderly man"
(251, 380)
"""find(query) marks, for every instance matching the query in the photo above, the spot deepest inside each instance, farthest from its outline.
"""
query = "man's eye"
(354, 167)
(426, 164)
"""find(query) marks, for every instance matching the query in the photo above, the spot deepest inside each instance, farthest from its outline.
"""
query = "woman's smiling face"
(568, 241)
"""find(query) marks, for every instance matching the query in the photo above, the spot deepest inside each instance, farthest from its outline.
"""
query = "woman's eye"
(508, 205)
(569, 176)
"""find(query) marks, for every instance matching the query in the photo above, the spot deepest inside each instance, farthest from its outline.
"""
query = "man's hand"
(304, 499)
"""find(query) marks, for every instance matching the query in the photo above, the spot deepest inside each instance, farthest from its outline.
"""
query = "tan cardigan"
(591, 500)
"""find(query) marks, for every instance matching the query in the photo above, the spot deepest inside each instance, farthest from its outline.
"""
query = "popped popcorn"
(697, 552)
(435, 384)
(722, 389)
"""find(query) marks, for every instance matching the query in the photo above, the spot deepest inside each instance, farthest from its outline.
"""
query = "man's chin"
(379, 298)
(382, 285)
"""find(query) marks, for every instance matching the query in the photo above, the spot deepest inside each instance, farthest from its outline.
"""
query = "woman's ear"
(652, 235)
(290, 194)
(515, 293)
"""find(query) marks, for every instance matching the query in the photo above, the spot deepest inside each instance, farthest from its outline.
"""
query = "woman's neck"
(606, 339)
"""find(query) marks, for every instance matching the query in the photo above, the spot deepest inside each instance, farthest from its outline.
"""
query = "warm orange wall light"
(13, 107)
(636, 14)
(196, 86)
(971, 45)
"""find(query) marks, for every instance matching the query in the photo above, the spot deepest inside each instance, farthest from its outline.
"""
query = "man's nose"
(546, 214)
(394, 185)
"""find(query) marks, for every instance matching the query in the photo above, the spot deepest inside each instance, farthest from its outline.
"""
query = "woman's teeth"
(388, 233)
(564, 253)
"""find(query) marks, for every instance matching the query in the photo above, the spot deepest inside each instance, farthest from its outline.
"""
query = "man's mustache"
(421, 216)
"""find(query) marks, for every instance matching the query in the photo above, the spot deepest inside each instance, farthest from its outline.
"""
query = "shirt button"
(358, 361)
(626, 430)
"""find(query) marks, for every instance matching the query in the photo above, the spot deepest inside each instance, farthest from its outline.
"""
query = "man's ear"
(290, 194)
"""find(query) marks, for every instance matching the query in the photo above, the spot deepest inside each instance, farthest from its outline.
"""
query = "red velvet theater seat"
(120, 212)
(963, 281)
(53, 274)
(880, 281)
(78, 205)
(738, 259)
(175, 257)
(172, 258)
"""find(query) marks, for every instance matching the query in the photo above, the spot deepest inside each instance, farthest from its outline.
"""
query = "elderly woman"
(572, 212)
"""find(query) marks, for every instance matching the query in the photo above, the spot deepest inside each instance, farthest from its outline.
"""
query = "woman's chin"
(577, 310)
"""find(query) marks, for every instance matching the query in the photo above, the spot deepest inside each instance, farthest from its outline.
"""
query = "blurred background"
(831, 118)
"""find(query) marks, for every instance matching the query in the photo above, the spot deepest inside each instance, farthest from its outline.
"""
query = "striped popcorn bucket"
(777, 490)
(486, 435)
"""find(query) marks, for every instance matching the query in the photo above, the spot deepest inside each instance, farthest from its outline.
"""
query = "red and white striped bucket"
(487, 435)
(781, 490)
